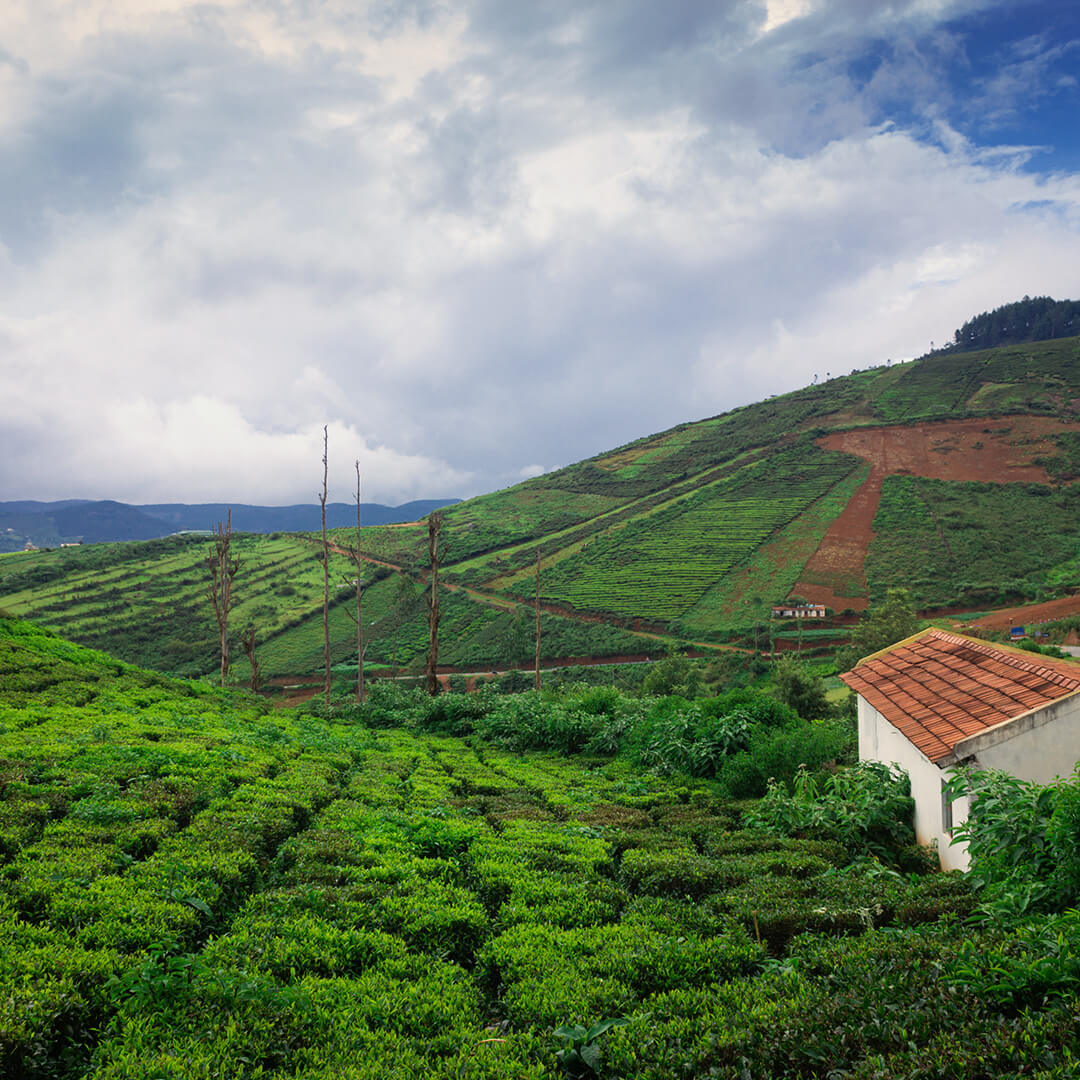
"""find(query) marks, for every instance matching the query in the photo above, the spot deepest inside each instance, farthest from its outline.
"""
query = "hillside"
(955, 476)
(699, 530)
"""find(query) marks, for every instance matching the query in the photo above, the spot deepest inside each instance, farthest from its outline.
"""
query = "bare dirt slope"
(1060, 608)
(992, 450)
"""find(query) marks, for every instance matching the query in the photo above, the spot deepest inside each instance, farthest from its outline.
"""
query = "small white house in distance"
(936, 699)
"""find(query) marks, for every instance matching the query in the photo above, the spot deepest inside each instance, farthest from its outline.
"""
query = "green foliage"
(674, 676)
(800, 689)
(868, 808)
(207, 889)
(581, 1053)
(1025, 966)
(1023, 840)
(1031, 319)
(975, 544)
(887, 622)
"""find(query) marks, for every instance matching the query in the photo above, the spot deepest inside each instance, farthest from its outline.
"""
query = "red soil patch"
(1060, 608)
(990, 450)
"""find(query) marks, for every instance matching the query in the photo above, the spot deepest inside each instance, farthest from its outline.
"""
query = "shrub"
(1023, 840)
(868, 808)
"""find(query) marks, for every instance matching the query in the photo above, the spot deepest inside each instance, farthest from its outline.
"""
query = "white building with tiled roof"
(936, 699)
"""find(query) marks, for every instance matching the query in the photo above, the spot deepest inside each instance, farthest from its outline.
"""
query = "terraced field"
(691, 542)
(691, 533)
(148, 600)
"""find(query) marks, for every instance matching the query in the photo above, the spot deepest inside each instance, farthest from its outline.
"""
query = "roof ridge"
(1013, 655)
(939, 688)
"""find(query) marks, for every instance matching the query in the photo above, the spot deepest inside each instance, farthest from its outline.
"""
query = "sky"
(482, 239)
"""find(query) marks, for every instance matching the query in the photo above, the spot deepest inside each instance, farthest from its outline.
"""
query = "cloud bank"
(474, 237)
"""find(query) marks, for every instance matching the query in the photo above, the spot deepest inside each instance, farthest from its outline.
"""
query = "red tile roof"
(939, 688)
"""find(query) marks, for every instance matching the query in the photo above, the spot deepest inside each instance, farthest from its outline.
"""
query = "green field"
(147, 603)
(955, 543)
(692, 542)
(195, 887)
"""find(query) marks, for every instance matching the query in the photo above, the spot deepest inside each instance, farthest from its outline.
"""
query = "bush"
(1023, 840)
(868, 808)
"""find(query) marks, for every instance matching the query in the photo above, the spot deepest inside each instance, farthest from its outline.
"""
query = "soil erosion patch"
(989, 450)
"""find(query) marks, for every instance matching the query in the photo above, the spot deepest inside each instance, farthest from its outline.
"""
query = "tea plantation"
(194, 887)
(146, 603)
(688, 535)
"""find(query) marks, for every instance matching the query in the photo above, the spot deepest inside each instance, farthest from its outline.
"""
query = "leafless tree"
(537, 618)
(359, 599)
(326, 579)
(248, 641)
(223, 568)
(435, 557)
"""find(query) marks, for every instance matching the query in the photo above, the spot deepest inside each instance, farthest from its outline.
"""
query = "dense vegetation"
(193, 887)
(146, 603)
(979, 544)
(1036, 318)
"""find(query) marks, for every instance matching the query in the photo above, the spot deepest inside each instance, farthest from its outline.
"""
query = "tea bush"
(296, 896)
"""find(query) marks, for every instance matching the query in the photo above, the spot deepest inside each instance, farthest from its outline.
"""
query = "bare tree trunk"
(435, 555)
(223, 569)
(326, 579)
(359, 601)
(537, 618)
(248, 641)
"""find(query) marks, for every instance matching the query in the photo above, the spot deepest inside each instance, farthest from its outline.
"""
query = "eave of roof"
(938, 688)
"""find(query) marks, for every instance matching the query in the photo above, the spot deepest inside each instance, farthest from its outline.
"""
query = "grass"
(975, 544)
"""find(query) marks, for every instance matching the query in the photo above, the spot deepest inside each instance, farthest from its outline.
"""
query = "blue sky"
(1019, 80)
(481, 239)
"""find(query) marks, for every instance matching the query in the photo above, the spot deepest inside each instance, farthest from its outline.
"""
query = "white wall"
(1040, 746)
(880, 741)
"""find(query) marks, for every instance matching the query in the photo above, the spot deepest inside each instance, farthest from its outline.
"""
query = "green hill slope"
(689, 534)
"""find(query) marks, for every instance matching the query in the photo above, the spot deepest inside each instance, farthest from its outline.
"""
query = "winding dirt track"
(989, 450)
(1060, 608)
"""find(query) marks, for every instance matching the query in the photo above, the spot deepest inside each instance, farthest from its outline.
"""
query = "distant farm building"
(800, 611)
(937, 700)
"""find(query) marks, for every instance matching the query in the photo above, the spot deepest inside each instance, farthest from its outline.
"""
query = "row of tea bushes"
(136, 814)
(293, 897)
(456, 905)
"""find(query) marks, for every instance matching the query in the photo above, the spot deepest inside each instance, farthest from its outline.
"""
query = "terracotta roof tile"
(940, 688)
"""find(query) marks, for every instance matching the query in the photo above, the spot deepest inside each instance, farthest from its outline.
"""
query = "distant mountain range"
(49, 524)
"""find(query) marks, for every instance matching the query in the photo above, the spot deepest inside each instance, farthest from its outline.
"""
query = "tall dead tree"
(223, 567)
(537, 618)
(248, 641)
(435, 556)
(326, 579)
(359, 599)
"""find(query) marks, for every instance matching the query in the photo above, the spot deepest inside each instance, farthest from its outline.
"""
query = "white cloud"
(475, 234)
(779, 12)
